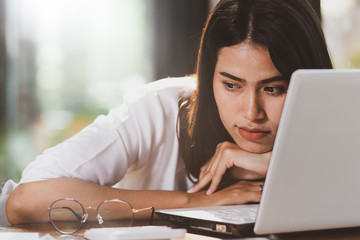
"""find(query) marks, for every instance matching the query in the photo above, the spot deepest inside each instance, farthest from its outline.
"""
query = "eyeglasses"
(67, 215)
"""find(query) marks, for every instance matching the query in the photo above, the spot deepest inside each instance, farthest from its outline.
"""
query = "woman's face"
(249, 93)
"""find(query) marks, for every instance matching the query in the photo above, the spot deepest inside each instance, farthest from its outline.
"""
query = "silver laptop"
(313, 180)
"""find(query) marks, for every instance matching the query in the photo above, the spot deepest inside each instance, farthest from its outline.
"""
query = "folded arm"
(29, 202)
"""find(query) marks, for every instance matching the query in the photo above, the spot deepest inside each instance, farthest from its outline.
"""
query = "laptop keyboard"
(240, 215)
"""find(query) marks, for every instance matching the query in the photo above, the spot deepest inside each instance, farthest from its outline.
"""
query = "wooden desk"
(47, 228)
(43, 229)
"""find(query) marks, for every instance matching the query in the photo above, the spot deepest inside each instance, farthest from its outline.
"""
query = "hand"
(238, 193)
(241, 165)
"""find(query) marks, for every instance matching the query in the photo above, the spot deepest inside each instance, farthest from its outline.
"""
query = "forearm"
(30, 201)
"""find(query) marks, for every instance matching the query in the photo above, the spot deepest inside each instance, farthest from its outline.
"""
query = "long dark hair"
(289, 29)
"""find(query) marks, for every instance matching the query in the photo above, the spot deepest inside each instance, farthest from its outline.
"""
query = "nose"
(251, 107)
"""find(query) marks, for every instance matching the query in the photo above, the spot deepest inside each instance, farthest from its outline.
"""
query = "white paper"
(19, 236)
(145, 232)
(47, 237)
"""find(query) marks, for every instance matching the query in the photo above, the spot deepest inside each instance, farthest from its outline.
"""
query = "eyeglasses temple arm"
(78, 217)
(148, 208)
(152, 215)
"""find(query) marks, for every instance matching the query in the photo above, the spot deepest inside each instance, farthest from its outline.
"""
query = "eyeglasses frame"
(84, 216)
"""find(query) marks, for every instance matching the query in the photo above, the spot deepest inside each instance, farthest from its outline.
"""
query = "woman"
(292, 35)
(248, 51)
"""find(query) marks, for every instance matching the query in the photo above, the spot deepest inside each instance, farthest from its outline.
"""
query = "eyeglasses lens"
(66, 215)
(115, 214)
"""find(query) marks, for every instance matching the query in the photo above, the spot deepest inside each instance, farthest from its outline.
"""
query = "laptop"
(313, 177)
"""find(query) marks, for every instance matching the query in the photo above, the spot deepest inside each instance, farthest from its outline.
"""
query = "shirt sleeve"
(6, 190)
(92, 154)
(3, 217)
(103, 151)
(100, 153)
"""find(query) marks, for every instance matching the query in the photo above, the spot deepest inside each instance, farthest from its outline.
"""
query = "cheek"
(222, 103)
(274, 110)
(218, 96)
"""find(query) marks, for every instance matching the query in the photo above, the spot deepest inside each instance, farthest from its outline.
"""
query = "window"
(67, 62)
(340, 23)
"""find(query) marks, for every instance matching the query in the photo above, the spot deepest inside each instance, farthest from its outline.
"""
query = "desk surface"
(43, 229)
(47, 228)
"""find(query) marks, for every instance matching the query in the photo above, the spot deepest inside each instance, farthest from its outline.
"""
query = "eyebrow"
(263, 81)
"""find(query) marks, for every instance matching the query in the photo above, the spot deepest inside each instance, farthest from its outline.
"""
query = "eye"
(275, 90)
(231, 86)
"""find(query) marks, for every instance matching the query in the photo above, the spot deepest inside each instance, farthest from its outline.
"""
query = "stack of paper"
(144, 232)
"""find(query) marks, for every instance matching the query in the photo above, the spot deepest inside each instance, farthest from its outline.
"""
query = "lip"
(252, 133)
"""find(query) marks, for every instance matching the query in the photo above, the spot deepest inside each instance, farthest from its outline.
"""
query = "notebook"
(313, 177)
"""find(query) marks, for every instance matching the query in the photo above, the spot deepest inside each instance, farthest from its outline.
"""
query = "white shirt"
(135, 146)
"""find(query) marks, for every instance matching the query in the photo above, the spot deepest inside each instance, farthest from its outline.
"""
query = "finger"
(203, 169)
(216, 178)
(210, 165)
(204, 174)
(248, 186)
(207, 171)
(256, 186)
(201, 184)
(240, 193)
(219, 173)
(253, 196)
(213, 171)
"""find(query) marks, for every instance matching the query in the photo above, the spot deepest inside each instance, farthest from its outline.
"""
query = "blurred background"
(64, 62)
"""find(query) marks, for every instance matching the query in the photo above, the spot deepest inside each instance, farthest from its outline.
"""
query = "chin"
(255, 147)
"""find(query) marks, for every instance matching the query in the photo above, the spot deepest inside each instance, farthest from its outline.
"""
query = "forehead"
(246, 60)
